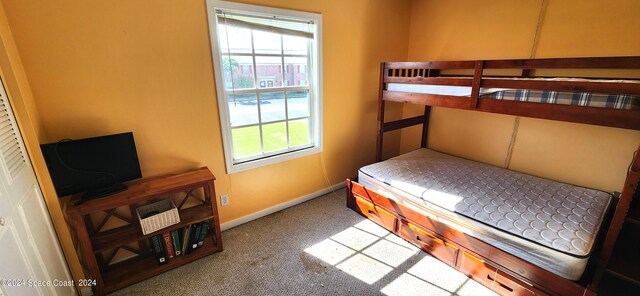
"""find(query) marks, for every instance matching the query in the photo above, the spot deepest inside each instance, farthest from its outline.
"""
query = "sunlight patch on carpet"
(407, 285)
(330, 251)
(364, 268)
(364, 251)
(369, 253)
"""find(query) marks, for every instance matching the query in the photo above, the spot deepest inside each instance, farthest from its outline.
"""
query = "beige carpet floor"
(319, 248)
(316, 248)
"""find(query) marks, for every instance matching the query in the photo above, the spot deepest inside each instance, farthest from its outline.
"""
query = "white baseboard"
(279, 207)
(86, 291)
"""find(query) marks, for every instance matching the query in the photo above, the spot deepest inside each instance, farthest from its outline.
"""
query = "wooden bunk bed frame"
(490, 266)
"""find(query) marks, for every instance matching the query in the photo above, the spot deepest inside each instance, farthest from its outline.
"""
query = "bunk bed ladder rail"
(421, 73)
(383, 126)
(615, 226)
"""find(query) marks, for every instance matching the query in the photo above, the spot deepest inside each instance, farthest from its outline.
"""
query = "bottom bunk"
(514, 233)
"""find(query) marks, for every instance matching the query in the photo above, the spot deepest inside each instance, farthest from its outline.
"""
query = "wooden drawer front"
(494, 278)
(376, 214)
(359, 191)
(429, 242)
(371, 196)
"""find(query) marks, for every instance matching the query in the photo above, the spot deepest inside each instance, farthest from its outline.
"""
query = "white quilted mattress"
(548, 223)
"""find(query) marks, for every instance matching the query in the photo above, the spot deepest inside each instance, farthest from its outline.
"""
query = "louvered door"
(11, 150)
(29, 249)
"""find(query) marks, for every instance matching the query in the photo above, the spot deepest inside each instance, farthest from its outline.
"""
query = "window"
(267, 112)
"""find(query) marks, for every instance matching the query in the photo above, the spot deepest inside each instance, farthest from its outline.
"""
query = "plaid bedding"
(613, 101)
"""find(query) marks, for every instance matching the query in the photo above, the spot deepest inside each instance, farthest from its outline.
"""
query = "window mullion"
(298, 118)
(255, 81)
(257, 124)
(286, 97)
(312, 103)
(267, 89)
(271, 55)
(245, 125)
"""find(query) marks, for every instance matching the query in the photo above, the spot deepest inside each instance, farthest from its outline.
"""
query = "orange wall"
(24, 108)
(498, 29)
(101, 67)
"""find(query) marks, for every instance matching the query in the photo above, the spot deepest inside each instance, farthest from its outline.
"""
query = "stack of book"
(178, 242)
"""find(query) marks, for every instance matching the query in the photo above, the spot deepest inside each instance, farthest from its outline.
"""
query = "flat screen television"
(96, 166)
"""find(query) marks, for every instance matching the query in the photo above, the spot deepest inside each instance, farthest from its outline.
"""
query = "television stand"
(98, 245)
(103, 192)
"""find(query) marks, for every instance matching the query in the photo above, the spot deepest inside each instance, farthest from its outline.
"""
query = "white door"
(31, 261)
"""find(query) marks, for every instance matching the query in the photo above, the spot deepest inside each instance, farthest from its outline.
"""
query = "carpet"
(319, 247)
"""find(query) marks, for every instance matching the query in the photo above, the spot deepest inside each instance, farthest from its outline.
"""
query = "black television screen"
(96, 166)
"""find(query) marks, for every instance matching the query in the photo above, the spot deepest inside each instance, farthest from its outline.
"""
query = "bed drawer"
(376, 214)
(359, 191)
(494, 278)
(428, 242)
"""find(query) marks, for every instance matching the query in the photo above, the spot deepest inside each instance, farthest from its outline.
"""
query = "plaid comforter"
(613, 101)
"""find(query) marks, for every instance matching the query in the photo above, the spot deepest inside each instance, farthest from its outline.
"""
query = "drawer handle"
(430, 246)
(493, 281)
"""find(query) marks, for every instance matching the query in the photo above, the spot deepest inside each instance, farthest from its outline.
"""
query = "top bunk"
(582, 90)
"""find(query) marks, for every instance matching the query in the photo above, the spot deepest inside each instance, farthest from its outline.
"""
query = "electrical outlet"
(224, 200)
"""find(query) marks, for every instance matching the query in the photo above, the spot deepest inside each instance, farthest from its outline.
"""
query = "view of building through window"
(267, 88)
(267, 63)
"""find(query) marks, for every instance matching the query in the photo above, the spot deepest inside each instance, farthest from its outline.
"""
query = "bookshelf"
(99, 240)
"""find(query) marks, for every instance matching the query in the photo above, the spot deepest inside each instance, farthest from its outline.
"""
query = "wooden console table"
(98, 246)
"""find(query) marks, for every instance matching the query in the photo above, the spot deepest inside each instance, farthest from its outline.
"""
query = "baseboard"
(279, 207)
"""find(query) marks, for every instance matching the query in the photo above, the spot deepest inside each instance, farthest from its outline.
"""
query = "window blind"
(268, 24)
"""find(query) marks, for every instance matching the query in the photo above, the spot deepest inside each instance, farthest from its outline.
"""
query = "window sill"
(244, 166)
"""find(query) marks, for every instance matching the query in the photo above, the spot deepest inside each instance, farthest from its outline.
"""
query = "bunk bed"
(515, 233)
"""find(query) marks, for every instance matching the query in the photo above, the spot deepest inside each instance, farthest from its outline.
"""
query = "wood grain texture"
(463, 81)
(458, 102)
(475, 86)
(509, 268)
(519, 274)
(431, 65)
(628, 119)
(402, 123)
(425, 127)
(144, 188)
(567, 63)
(380, 123)
(619, 217)
(93, 243)
(631, 62)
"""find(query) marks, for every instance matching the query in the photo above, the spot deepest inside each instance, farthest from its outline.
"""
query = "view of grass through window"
(246, 140)
(266, 81)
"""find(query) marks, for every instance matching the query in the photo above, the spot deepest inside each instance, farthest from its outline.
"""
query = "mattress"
(550, 224)
(612, 101)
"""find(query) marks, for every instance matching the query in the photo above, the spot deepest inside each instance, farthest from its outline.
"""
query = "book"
(158, 249)
(203, 233)
(193, 237)
(185, 238)
(168, 244)
(175, 238)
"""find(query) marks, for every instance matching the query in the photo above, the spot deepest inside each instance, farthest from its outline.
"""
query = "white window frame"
(315, 84)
